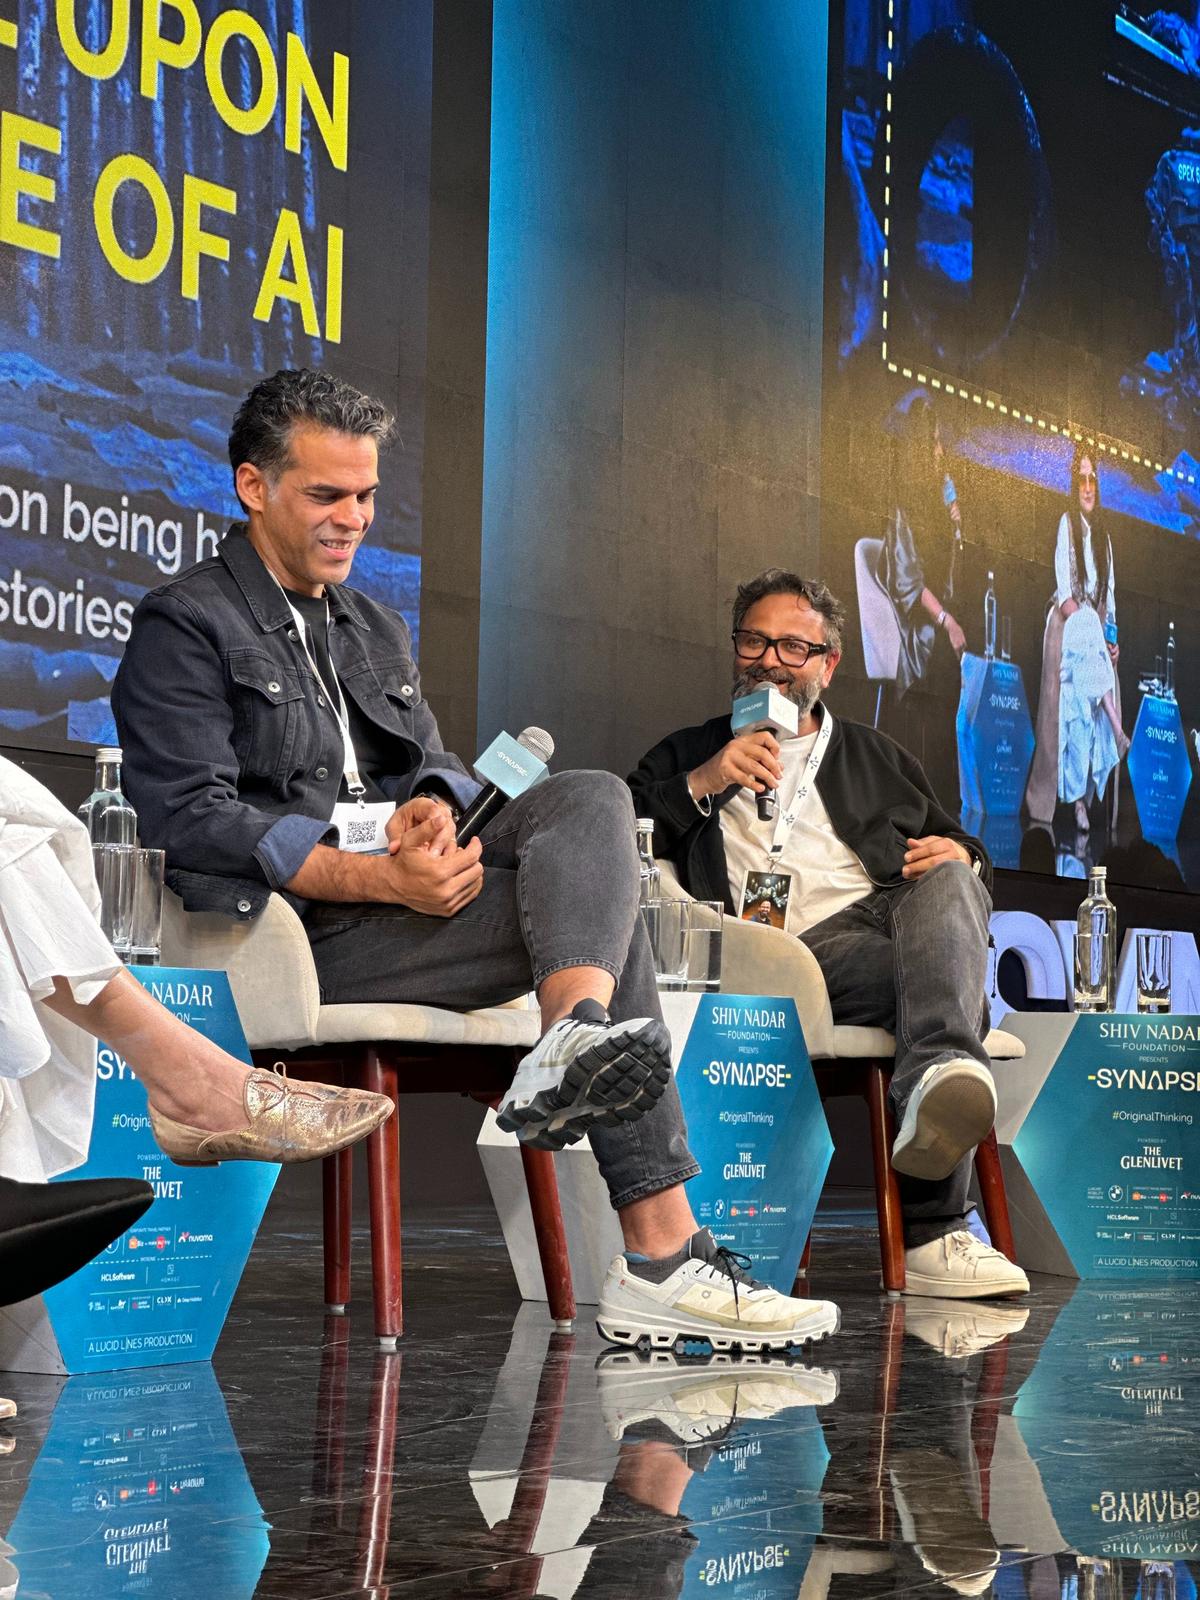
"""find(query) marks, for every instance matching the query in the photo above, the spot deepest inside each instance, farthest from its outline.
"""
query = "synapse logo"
(747, 1074)
(1151, 1080)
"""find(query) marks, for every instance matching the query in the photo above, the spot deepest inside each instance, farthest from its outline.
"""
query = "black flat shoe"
(50, 1230)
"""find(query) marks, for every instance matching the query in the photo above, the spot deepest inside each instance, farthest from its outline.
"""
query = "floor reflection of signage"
(1124, 1203)
(1110, 1413)
(161, 1292)
(756, 1126)
(134, 1476)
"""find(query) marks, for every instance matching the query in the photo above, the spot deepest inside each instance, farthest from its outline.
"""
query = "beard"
(803, 693)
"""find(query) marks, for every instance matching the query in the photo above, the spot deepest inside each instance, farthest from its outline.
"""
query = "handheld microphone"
(506, 769)
(766, 709)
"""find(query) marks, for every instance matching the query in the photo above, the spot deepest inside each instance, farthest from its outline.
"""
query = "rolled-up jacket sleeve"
(176, 726)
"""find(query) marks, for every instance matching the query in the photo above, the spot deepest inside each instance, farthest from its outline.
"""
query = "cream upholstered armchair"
(850, 1060)
(392, 1049)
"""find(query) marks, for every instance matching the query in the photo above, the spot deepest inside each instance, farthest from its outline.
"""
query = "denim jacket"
(230, 761)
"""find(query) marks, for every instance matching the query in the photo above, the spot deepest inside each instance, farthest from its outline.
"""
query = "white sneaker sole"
(616, 1080)
(954, 1114)
(917, 1283)
(621, 1326)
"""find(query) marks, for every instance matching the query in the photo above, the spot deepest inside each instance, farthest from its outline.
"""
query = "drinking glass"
(705, 921)
(667, 925)
(145, 924)
(114, 878)
(1091, 991)
(1153, 972)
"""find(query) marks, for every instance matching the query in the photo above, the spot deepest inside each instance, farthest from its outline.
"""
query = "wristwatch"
(941, 620)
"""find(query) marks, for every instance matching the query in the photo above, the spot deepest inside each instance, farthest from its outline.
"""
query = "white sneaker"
(957, 1330)
(948, 1113)
(959, 1267)
(583, 1072)
(698, 1400)
(711, 1297)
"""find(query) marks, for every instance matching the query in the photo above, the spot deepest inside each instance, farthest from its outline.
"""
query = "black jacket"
(876, 795)
(232, 759)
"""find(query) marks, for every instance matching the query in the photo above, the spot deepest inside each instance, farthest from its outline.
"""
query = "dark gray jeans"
(560, 889)
(913, 960)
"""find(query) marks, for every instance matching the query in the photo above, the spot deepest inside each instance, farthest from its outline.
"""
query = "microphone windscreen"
(538, 742)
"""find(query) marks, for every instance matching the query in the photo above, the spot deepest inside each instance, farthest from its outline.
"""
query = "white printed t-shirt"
(826, 874)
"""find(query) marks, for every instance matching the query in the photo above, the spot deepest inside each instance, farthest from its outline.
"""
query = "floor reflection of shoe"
(958, 1329)
(285, 1121)
(699, 1400)
(9, 1576)
(941, 1522)
(583, 1072)
(710, 1297)
(959, 1267)
(948, 1113)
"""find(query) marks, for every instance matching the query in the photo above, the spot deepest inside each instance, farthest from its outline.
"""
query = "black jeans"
(560, 889)
(913, 960)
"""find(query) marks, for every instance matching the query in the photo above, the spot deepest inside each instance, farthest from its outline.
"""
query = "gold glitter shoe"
(285, 1121)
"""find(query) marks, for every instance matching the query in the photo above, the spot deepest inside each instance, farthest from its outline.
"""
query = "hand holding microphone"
(767, 711)
(506, 769)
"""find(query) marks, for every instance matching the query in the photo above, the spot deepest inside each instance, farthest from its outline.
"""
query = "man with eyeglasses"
(885, 889)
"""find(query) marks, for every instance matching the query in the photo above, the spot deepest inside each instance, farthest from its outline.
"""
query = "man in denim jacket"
(260, 699)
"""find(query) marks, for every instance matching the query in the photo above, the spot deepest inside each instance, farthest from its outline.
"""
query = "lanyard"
(785, 821)
(337, 704)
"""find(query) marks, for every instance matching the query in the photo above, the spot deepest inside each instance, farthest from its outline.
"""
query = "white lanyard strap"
(785, 821)
(337, 704)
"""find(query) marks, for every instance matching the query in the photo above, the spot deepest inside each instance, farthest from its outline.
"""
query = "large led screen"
(192, 195)
(1011, 438)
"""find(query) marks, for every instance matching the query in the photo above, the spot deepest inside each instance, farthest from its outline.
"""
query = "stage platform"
(1029, 1449)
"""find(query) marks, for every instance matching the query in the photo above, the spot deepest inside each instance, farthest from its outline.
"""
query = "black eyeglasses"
(792, 652)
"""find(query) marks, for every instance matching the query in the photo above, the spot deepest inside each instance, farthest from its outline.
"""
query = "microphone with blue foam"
(766, 710)
(506, 769)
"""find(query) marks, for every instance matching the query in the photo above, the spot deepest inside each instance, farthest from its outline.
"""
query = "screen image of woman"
(920, 554)
(1080, 740)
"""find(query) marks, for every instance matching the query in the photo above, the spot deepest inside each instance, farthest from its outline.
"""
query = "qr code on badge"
(359, 833)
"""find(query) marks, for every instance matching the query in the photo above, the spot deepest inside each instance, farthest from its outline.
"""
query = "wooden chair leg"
(995, 1201)
(887, 1189)
(800, 1287)
(337, 1178)
(383, 1185)
(542, 1183)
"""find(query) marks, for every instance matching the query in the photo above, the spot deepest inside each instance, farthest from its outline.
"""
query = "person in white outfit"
(1080, 739)
(62, 986)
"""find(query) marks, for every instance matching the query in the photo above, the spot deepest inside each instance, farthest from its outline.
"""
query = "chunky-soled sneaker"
(948, 1113)
(709, 1295)
(958, 1267)
(698, 1402)
(583, 1072)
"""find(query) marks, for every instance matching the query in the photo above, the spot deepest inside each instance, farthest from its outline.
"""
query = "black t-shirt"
(370, 744)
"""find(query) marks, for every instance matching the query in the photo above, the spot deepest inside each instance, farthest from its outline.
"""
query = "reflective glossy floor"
(1046, 1450)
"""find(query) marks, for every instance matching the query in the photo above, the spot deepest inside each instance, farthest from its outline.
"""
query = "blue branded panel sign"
(747, 1547)
(1118, 1378)
(995, 737)
(162, 1291)
(1110, 1146)
(140, 1489)
(1001, 835)
(757, 1127)
(1159, 768)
